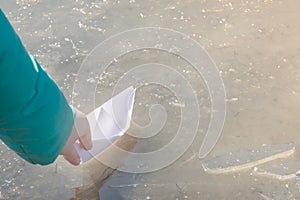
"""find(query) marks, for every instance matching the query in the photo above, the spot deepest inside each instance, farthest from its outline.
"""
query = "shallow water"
(255, 45)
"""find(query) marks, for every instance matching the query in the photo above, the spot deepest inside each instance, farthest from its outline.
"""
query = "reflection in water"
(254, 43)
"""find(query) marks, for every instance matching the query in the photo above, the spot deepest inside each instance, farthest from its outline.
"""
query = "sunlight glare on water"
(255, 45)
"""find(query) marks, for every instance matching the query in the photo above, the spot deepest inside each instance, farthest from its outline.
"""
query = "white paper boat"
(109, 122)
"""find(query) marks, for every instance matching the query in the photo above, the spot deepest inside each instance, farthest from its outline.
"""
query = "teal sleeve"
(35, 118)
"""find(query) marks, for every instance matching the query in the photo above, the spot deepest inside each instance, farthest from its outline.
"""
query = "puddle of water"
(254, 43)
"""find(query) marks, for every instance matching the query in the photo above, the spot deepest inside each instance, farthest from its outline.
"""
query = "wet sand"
(255, 45)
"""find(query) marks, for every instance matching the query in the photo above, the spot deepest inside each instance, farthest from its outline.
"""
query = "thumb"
(72, 156)
(86, 142)
(83, 131)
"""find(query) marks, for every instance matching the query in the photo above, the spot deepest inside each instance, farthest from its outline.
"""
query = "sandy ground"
(255, 45)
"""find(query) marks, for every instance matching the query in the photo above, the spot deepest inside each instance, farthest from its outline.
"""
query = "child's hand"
(81, 133)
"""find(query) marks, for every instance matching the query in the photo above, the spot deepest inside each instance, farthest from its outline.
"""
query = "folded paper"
(108, 122)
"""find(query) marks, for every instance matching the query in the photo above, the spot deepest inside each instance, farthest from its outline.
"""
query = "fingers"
(69, 152)
(80, 132)
(86, 141)
(72, 156)
(83, 131)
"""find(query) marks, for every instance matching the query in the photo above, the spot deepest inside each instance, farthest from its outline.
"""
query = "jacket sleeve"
(35, 118)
